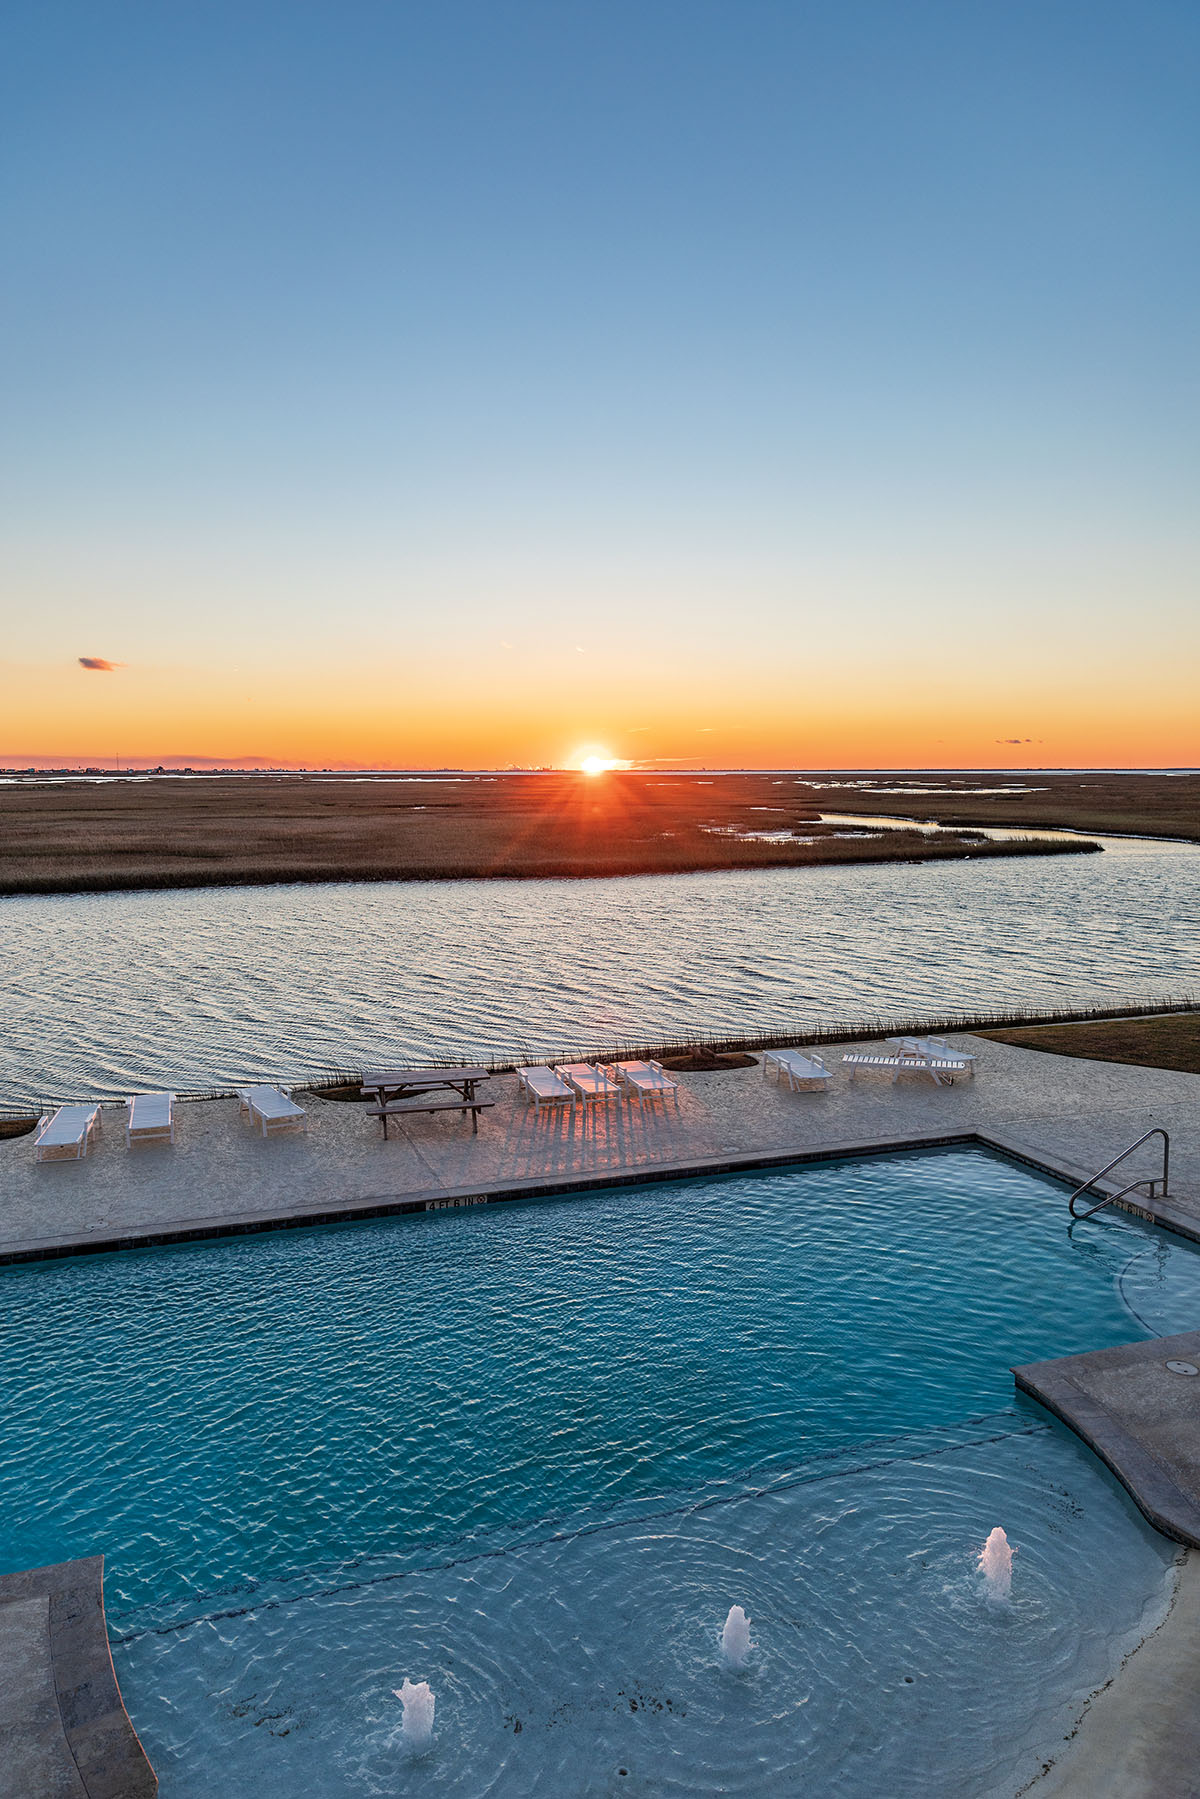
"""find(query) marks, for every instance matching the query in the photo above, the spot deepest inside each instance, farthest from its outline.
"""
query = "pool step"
(65, 1730)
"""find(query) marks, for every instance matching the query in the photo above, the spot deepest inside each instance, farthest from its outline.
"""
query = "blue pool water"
(534, 1452)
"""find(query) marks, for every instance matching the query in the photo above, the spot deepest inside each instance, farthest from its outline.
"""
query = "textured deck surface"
(37, 1759)
(1065, 1114)
(1140, 1416)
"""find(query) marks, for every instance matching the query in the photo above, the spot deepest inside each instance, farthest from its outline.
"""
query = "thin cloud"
(98, 662)
(1015, 740)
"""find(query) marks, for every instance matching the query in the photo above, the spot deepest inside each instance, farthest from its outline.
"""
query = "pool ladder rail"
(1150, 1183)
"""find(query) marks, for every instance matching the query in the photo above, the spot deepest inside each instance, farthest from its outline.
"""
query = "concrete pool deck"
(1068, 1115)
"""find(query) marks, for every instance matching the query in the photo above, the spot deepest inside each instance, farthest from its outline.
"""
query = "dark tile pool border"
(436, 1199)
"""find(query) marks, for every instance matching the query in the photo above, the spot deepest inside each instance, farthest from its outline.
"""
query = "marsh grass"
(1171, 1042)
(1133, 802)
(253, 831)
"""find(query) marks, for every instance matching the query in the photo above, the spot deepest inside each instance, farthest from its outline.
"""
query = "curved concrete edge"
(1139, 1736)
(1059, 1386)
(35, 1756)
(105, 1747)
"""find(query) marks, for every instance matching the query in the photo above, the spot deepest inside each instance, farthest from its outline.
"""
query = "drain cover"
(1183, 1368)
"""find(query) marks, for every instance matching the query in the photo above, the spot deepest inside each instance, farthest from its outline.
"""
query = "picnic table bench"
(400, 1090)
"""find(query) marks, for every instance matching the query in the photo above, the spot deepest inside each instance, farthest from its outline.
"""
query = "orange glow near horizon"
(654, 714)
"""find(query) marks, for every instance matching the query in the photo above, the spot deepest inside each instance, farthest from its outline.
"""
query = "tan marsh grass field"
(222, 830)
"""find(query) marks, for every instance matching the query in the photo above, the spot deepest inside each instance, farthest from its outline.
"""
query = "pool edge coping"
(432, 1199)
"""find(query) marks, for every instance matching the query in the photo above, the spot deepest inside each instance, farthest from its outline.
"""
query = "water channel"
(110, 993)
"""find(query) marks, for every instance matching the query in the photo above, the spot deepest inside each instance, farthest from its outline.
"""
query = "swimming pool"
(533, 1453)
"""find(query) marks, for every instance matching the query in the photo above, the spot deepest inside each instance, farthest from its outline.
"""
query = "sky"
(485, 382)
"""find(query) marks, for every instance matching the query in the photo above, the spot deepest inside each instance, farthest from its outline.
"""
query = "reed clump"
(719, 1048)
(695, 1046)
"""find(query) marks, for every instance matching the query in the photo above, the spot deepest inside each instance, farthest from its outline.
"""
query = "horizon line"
(211, 765)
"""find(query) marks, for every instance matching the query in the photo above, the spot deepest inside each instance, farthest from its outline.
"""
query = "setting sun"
(594, 762)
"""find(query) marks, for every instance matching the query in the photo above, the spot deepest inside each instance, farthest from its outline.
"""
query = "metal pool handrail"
(1145, 1181)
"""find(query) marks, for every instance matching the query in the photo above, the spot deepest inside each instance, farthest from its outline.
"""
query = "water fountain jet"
(735, 1638)
(416, 1696)
(995, 1564)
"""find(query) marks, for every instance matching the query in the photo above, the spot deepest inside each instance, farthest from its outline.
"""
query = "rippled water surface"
(109, 993)
(534, 1453)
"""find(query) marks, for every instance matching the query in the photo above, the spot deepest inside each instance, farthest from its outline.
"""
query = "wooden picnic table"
(400, 1090)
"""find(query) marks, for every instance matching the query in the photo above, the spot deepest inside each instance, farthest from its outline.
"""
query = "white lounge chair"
(65, 1135)
(542, 1087)
(938, 1048)
(150, 1118)
(588, 1082)
(646, 1079)
(272, 1110)
(797, 1068)
(940, 1069)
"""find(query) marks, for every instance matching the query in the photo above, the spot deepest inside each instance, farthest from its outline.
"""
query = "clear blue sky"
(852, 343)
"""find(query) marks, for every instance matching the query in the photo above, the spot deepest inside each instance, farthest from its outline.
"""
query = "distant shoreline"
(952, 851)
(115, 836)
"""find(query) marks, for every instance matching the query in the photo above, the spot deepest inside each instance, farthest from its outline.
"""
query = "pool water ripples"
(201, 988)
(533, 1455)
(295, 1399)
(589, 1663)
(1161, 1291)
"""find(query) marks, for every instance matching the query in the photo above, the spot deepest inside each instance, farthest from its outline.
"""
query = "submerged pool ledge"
(436, 1199)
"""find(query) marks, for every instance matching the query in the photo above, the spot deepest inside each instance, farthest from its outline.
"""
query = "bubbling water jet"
(416, 1696)
(735, 1638)
(995, 1564)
